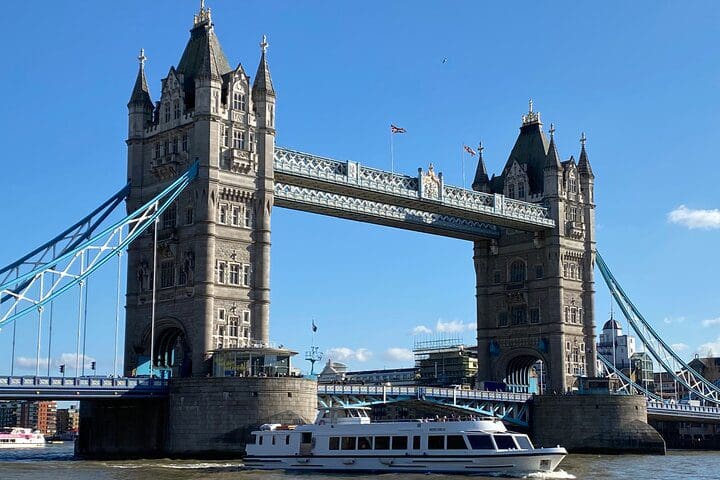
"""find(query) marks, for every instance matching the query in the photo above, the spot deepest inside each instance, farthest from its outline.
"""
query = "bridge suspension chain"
(84, 252)
(659, 349)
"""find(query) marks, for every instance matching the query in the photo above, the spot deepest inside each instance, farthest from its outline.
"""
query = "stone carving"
(143, 273)
(431, 184)
(188, 266)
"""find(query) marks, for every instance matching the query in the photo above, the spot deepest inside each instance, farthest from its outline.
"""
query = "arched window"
(176, 109)
(517, 271)
(511, 191)
(521, 190)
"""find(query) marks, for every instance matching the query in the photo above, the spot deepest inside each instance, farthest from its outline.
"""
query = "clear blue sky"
(640, 78)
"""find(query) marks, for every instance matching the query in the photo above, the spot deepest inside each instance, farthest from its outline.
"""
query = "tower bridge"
(204, 176)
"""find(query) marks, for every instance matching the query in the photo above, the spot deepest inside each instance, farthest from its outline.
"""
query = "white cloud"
(710, 349)
(342, 354)
(28, 362)
(711, 322)
(398, 354)
(453, 326)
(421, 330)
(67, 359)
(670, 320)
(679, 347)
(688, 217)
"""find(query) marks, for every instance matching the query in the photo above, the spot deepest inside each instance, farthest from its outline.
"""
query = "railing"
(419, 392)
(115, 383)
(682, 409)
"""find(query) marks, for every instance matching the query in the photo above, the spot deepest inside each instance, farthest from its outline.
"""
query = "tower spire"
(141, 93)
(552, 160)
(481, 182)
(263, 82)
(532, 116)
(583, 162)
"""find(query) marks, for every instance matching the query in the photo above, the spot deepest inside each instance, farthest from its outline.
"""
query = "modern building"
(445, 362)
(213, 242)
(390, 376)
(641, 370)
(668, 388)
(10, 413)
(38, 415)
(68, 420)
(708, 367)
(535, 291)
(616, 347)
(252, 362)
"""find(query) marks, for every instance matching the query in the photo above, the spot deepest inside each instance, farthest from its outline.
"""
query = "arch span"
(524, 371)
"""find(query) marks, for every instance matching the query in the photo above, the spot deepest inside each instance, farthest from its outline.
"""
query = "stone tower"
(213, 258)
(535, 292)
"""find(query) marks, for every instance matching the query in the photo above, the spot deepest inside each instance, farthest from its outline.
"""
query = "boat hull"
(539, 460)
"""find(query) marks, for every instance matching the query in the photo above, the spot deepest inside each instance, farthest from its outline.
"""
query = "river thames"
(56, 462)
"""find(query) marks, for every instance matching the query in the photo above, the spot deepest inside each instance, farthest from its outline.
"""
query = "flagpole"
(392, 152)
(462, 162)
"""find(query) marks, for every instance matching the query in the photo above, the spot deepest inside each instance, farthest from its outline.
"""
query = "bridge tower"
(212, 274)
(535, 292)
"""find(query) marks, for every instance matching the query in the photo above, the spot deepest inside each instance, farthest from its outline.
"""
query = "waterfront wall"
(594, 424)
(121, 428)
(213, 417)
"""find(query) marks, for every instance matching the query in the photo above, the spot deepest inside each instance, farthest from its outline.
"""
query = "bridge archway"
(172, 352)
(524, 371)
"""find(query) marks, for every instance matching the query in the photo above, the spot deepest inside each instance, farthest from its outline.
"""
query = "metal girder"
(627, 386)
(659, 349)
(46, 280)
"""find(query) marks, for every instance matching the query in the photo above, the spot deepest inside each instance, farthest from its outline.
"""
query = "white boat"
(18, 437)
(344, 439)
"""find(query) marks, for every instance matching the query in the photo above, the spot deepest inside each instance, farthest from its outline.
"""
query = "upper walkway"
(424, 203)
(82, 388)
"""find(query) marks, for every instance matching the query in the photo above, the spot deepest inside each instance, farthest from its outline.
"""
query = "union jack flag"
(469, 150)
(396, 129)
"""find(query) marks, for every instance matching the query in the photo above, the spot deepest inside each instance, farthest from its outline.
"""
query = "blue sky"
(640, 78)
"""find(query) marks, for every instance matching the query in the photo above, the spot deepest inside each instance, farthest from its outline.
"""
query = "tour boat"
(18, 437)
(344, 439)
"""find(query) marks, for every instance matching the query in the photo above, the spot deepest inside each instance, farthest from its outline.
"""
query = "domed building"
(615, 346)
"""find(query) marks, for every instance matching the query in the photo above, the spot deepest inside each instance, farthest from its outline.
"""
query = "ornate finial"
(202, 5)
(264, 44)
(203, 16)
(480, 148)
(583, 139)
(532, 116)
(552, 130)
(141, 58)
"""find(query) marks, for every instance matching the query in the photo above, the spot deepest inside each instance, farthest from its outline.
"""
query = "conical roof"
(263, 83)
(481, 180)
(583, 163)
(141, 93)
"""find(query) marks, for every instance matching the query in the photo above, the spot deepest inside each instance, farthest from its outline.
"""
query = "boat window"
(456, 442)
(416, 442)
(334, 443)
(504, 442)
(273, 439)
(287, 439)
(307, 437)
(260, 440)
(382, 443)
(364, 443)
(481, 442)
(348, 443)
(523, 442)
(253, 439)
(436, 442)
(399, 443)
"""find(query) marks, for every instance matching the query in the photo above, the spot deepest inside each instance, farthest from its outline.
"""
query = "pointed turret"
(552, 160)
(481, 183)
(262, 85)
(530, 151)
(141, 93)
(583, 163)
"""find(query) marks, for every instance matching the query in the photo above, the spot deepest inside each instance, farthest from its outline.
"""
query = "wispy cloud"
(453, 326)
(344, 353)
(398, 354)
(680, 347)
(711, 349)
(711, 322)
(421, 330)
(67, 359)
(695, 219)
(670, 320)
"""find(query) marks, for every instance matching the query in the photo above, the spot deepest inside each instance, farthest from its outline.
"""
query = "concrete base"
(594, 424)
(121, 428)
(213, 417)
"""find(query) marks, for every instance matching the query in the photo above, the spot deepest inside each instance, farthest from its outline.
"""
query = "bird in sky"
(444, 60)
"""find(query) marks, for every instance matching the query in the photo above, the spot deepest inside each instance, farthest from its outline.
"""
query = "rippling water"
(56, 462)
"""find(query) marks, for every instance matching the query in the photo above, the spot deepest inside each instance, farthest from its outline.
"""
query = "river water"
(56, 462)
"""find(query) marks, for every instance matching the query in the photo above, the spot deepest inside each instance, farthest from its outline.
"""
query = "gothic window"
(224, 135)
(175, 145)
(234, 274)
(573, 315)
(221, 271)
(166, 147)
(246, 275)
(157, 150)
(246, 317)
(272, 115)
(502, 319)
(176, 109)
(521, 190)
(518, 314)
(233, 323)
(169, 217)
(222, 215)
(511, 191)
(185, 142)
(573, 184)
(167, 274)
(235, 218)
(534, 315)
(189, 216)
(221, 314)
(167, 113)
(517, 271)
(539, 273)
(572, 270)
(252, 142)
(567, 314)
(239, 100)
(239, 139)
(248, 217)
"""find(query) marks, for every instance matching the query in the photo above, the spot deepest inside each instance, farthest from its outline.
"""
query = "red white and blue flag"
(396, 129)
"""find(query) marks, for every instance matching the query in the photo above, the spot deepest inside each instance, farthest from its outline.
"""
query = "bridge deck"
(83, 388)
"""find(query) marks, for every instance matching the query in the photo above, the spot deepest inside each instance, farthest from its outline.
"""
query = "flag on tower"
(314, 327)
(396, 129)
(469, 150)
